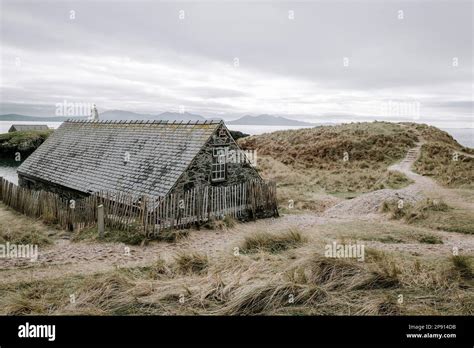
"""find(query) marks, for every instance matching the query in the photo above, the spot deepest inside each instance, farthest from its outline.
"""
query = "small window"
(218, 164)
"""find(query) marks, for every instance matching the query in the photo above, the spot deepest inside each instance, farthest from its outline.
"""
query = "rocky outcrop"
(21, 142)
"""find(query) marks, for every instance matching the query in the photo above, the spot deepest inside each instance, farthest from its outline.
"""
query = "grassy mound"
(446, 164)
(349, 159)
(23, 142)
(324, 147)
(344, 160)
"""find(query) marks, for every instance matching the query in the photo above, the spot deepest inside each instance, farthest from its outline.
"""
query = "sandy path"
(421, 187)
(370, 202)
(82, 258)
(73, 258)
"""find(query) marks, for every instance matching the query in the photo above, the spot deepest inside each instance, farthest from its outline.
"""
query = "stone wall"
(199, 172)
(37, 184)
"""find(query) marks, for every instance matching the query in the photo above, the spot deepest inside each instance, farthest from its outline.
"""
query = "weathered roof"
(88, 156)
(28, 127)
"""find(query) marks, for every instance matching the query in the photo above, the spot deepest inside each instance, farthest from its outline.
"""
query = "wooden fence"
(146, 214)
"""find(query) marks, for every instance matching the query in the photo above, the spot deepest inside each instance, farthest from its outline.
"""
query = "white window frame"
(219, 164)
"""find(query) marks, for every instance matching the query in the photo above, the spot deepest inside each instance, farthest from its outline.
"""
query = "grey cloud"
(401, 58)
(461, 104)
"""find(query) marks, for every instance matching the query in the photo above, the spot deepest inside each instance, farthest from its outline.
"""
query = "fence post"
(100, 220)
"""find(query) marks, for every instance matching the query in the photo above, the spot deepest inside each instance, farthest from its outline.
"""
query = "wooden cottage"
(27, 127)
(135, 158)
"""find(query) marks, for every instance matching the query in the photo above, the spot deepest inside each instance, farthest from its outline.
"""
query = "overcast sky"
(318, 61)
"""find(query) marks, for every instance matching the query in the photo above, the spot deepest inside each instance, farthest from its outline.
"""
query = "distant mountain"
(176, 116)
(111, 115)
(269, 120)
(120, 115)
(16, 117)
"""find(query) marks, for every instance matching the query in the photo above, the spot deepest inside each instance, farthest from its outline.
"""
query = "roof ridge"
(174, 122)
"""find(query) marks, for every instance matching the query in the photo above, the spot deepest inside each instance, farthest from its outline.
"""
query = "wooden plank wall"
(146, 214)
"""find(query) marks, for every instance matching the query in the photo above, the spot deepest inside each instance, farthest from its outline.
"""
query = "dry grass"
(272, 242)
(438, 160)
(18, 229)
(309, 165)
(412, 213)
(131, 237)
(434, 214)
(324, 146)
(308, 284)
(430, 239)
(464, 265)
(191, 262)
(220, 224)
(172, 236)
(387, 232)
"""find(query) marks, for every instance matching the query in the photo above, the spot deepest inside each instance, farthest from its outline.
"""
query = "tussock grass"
(307, 284)
(172, 236)
(262, 297)
(271, 242)
(229, 221)
(18, 229)
(388, 232)
(434, 214)
(464, 265)
(383, 276)
(36, 297)
(100, 295)
(333, 273)
(220, 224)
(158, 270)
(32, 236)
(132, 237)
(430, 239)
(438, 161)
(191, 262)
(395, 180)
(411, 213)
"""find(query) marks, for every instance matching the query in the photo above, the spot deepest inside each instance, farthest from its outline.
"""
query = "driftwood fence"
(145, 214)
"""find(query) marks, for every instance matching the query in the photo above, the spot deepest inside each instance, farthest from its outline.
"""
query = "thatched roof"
(89, 156)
